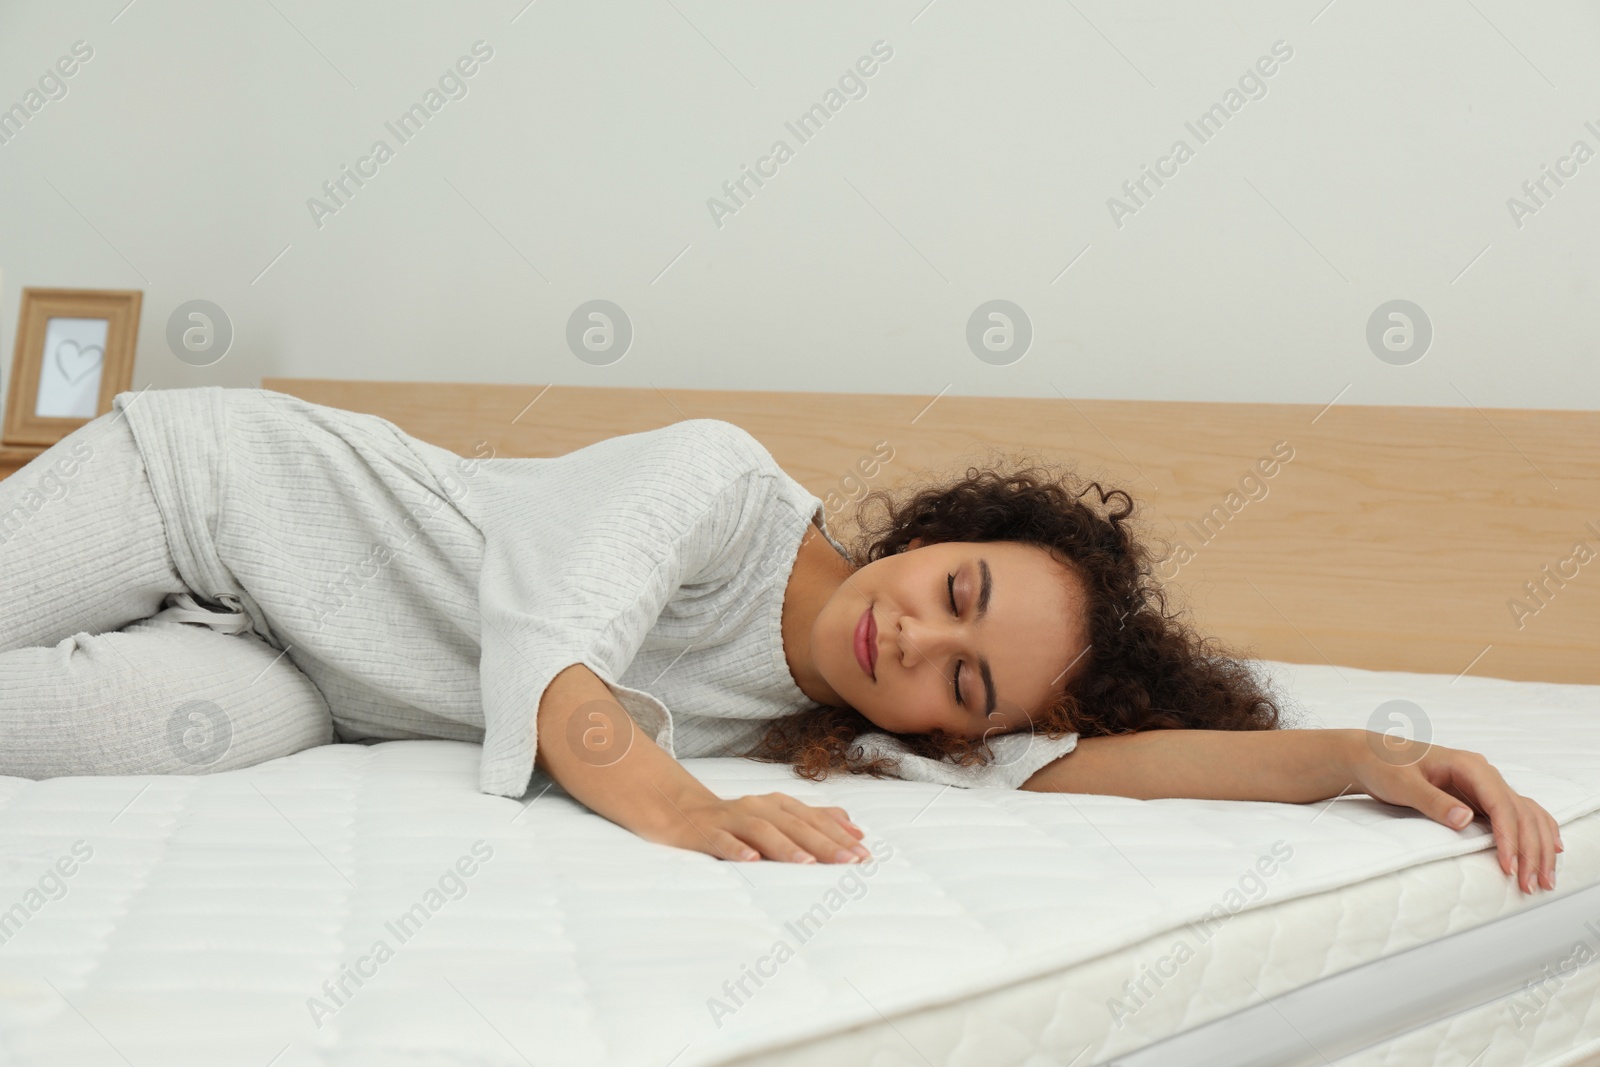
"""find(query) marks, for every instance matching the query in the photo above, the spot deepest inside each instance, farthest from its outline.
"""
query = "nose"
(923, 640)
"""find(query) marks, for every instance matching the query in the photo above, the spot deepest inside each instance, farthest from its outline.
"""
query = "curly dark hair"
(1146, 668)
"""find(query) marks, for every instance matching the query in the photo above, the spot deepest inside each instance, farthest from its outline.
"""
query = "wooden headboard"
(1390, 538)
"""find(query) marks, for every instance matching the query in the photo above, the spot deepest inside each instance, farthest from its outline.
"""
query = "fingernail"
(862, 852)
(804, 857)
(1459, 817)
(748, 854)
(844, 857)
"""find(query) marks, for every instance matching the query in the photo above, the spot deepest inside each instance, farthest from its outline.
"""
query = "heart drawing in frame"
(77, 362)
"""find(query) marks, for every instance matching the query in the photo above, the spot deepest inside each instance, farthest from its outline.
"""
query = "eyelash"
(957, 613)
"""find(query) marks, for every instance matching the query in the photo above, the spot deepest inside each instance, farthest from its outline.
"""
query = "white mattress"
(993, 929)
(1061, 1017)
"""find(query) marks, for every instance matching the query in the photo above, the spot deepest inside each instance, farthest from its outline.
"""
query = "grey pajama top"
(431, 595)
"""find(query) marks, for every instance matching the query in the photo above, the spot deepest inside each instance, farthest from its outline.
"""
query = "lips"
(866, 643)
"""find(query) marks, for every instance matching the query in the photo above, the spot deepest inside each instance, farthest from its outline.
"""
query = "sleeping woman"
(204, 579)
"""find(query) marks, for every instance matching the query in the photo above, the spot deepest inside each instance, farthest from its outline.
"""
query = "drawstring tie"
(182, 607)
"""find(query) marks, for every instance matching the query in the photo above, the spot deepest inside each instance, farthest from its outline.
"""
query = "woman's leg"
(82, 544)
(90, 683)
(159, 697)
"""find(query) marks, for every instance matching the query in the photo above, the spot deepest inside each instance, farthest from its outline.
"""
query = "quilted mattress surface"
(1095, 1012)
(354, 904)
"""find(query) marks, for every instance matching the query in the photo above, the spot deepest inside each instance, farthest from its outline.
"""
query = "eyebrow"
(984, 589)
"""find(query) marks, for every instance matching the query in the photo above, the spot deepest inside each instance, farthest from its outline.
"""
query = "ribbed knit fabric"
(434, 595)
(100, 671)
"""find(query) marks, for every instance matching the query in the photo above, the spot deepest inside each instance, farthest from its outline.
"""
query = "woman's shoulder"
(709, 453)
(728, 438)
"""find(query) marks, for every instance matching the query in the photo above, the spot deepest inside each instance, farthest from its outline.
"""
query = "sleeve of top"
(1014, 759)
(582, 552)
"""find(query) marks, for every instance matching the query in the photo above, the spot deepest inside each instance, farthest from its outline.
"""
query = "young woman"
(203, 579)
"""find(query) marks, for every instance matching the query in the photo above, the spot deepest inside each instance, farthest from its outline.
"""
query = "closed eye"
(957, 613)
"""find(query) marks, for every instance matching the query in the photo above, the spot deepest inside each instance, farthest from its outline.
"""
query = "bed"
(237, 918)
(365, 904)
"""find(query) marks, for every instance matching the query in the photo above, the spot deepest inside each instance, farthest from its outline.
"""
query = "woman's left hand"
(1447, 785)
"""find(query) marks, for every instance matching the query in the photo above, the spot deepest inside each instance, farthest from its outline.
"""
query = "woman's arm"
(1293, 766)
(1301, 766)
(615, 771)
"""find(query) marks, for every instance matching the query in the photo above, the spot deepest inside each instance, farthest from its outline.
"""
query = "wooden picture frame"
(74, 352)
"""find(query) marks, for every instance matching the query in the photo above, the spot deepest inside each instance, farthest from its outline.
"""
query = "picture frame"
(74, 353)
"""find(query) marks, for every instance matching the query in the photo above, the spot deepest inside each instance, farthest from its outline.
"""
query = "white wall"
(977, 166)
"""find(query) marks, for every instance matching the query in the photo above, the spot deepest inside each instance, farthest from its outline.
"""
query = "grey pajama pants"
(108, 663)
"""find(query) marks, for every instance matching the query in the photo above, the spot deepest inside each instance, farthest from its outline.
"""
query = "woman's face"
(1016, 626)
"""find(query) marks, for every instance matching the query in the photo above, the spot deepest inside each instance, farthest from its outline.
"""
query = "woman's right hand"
(771, 825)
(643, 788)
